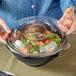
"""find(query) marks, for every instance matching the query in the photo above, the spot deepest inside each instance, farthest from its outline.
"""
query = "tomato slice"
(39, 43)
(48, 32)
(47, 41)
(50, 51)
(55, 37)
(16, 36)
(23, 50)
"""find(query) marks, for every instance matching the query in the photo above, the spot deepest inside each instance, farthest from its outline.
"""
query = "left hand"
(68, 21)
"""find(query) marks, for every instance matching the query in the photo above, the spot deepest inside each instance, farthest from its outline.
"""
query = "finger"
(64, 17)
(3, 40)
(4, 25)
(72, 11)
(69, 10)
(69, 13)
(61, 21)
(71, 30)
(61, 27)
(5, 35)
(0, 27)
(67, 22)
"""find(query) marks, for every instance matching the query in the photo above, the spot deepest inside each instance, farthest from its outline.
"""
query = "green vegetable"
(52, 35)
(33, 30)
(35, 52)
(32, 38)
(33, 49)
(18, 32)
(58, 41)
(26, 41)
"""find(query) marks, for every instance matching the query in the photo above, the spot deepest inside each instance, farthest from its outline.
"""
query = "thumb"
(61, 27)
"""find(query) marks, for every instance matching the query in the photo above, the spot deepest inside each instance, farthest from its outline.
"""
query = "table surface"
(63, 65)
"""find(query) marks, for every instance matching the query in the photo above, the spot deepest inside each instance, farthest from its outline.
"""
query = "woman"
(13, 10)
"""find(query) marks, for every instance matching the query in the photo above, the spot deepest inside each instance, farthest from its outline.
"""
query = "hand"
(4, 34)
(68, 21)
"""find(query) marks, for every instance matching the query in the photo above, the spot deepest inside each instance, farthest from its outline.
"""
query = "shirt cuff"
(65, 5)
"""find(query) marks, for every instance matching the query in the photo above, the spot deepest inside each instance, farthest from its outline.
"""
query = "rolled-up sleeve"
(66, 3)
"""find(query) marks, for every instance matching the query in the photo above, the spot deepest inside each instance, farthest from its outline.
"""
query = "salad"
(35, 39)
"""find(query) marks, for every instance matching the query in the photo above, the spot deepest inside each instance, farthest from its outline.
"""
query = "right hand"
(5, 33)
(68, 21)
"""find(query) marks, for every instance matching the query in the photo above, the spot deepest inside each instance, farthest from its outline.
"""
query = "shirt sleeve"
(67, 3)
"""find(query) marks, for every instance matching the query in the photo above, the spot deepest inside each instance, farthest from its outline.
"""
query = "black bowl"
(39, 59)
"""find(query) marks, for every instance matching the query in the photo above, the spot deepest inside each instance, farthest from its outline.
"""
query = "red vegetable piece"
(23, 50)
(47, 41)
(16, 36)
(55, 37)
(48, 32)
(39, 43)
(50, 51)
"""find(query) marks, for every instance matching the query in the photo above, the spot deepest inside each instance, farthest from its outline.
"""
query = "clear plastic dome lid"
(36, 36)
